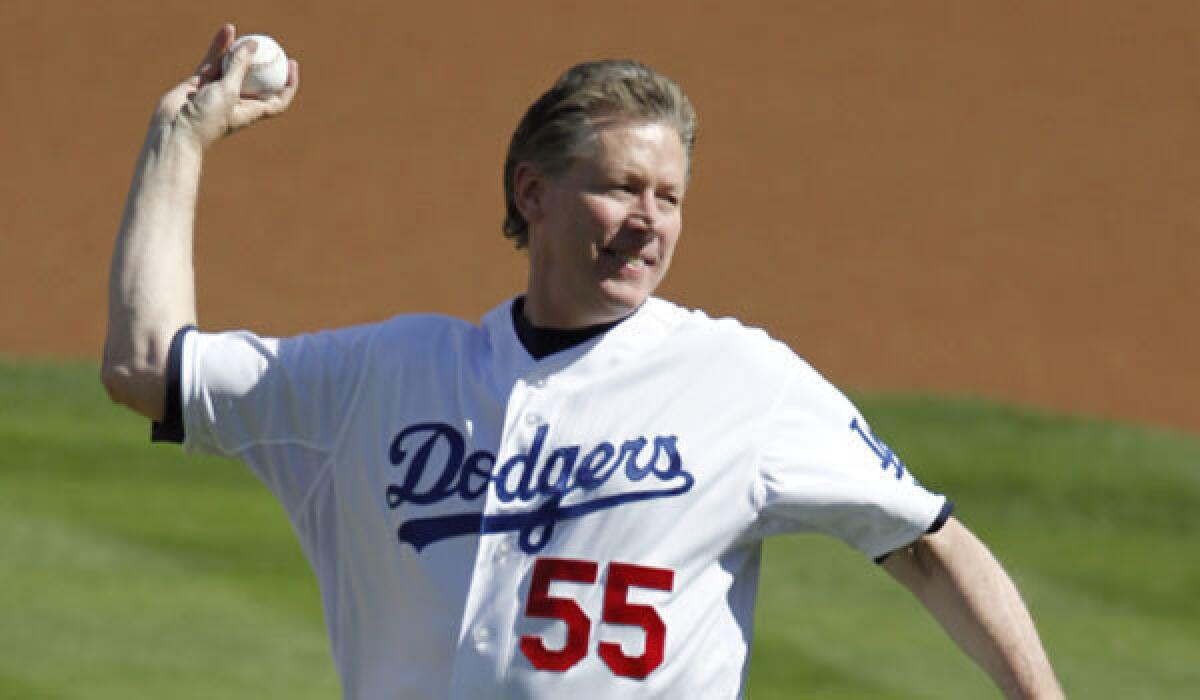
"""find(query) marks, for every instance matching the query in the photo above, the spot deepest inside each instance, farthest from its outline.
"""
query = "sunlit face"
(603, 232)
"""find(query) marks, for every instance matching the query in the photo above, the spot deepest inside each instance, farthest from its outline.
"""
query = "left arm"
(968, 592)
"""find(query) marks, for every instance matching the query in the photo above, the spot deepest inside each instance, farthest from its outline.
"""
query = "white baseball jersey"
(588, 525)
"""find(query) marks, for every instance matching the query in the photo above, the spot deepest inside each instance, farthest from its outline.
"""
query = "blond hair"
(561, 125)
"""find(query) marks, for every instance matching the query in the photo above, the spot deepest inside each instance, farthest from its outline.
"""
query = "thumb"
(237, 64)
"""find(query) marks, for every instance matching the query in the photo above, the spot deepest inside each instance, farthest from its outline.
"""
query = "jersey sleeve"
(822, 470)
(277, 404)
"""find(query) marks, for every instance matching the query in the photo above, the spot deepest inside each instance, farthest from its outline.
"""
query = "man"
(569, 500)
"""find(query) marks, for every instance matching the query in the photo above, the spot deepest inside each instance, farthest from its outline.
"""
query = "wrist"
(171, 140)
(172, 151)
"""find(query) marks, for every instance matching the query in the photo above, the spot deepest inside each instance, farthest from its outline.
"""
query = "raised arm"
(151, 282)
(959, 581)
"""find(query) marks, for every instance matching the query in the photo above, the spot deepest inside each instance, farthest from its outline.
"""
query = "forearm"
(955, 576)
(151, 283)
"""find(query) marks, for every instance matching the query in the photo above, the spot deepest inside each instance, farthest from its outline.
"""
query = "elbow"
(115, 372)
(911, 566)
(133, 372)
(116, 380)
(111, 382)
(141, 389)
(921, 564)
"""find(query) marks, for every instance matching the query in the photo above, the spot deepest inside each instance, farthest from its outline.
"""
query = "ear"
(529, 185)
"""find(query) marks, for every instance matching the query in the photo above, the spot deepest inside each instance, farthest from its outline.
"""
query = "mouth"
(632, 260)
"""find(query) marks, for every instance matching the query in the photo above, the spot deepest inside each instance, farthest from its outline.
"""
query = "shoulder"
(424, 327)
(418, 337)
(735, 340)
(749, 350)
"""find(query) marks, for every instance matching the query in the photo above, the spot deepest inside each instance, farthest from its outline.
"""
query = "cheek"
(604, 213)
(670, 232)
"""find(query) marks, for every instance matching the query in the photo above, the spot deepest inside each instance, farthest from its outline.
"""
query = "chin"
(622, 300)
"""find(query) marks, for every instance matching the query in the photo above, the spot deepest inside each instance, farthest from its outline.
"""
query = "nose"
(643, 213)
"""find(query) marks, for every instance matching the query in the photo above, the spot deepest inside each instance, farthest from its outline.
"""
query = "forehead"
(640, 148)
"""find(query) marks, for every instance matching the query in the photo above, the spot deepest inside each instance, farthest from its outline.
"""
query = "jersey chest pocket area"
(618, 579)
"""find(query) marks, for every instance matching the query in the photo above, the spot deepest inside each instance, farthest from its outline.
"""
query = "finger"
(170, 103)
(290, 86)
(293, 73)
(239, 65)
(284, 99)
(248, 111)
(216, 49)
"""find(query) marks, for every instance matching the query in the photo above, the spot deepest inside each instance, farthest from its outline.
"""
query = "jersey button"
(532, 418)
(481, 636)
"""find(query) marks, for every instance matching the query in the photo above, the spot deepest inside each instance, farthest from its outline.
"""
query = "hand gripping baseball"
(207, 106)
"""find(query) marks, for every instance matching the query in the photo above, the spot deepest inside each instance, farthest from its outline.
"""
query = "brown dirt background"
(992, 198)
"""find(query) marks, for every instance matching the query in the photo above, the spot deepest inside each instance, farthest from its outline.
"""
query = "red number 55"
(617, 610)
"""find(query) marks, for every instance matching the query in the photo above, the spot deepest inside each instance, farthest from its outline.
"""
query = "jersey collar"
(634, 336)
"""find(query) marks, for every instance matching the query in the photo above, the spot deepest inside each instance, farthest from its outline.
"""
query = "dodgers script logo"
(436, 467)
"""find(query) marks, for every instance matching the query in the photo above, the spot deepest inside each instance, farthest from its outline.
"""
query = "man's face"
(603, 232)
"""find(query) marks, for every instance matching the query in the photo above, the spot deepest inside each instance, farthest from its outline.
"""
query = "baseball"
(268, 69)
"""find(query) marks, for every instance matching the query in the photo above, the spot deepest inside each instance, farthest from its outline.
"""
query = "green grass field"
(130, 571)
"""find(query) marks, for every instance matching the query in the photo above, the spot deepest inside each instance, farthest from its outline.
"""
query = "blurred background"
(992, 199)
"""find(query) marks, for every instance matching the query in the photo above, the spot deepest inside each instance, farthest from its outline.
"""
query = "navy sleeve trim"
(938, 523)
(170, 428)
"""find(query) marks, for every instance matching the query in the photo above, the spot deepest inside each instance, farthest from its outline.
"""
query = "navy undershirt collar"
(543, 342)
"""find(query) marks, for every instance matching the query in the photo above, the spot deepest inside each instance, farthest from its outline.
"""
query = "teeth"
(630, 260)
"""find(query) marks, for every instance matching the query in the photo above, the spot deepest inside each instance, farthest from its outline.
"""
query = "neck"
(560, 309)
(543, 314)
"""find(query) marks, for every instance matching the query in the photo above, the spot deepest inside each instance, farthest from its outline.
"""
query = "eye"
(669, 198)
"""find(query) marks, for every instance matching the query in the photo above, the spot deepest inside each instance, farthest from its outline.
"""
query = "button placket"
(481, 636)
(535, 384)
(503, 550)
